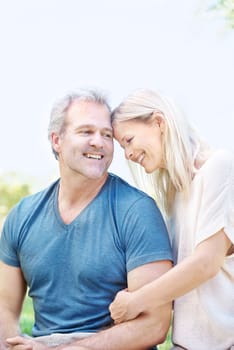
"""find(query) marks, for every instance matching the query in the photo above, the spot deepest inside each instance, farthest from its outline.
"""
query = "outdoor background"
(50, 47)
(185, 48)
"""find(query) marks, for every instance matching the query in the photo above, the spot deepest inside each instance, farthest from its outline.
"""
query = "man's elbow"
(161, 331)
(158, 327)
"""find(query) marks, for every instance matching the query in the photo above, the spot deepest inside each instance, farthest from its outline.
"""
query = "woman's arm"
(196, 269)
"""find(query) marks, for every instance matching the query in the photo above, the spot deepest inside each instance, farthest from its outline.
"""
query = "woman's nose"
(128, 154)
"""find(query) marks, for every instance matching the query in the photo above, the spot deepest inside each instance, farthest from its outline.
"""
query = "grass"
(27, 320)
(27, 317)
(167, 344)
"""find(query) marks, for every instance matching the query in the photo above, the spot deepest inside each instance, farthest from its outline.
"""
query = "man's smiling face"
(86, 145)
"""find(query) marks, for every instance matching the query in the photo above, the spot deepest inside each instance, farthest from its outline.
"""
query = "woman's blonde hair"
(181, 146)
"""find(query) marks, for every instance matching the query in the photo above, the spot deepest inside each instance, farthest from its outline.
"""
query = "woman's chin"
(148, 170)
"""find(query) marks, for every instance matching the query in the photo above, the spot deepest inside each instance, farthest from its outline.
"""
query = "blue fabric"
(74, 271)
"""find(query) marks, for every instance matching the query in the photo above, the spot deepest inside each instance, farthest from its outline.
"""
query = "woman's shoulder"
(218, 169)
(221, 161)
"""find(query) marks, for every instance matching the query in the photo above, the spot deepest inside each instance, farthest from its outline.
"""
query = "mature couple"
(91, 238)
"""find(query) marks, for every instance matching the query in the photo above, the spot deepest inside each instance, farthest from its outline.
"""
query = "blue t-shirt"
(74, 271)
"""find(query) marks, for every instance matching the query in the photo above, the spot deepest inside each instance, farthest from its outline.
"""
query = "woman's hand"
(123, 308)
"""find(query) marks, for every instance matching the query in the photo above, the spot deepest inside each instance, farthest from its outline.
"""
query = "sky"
(52, 47)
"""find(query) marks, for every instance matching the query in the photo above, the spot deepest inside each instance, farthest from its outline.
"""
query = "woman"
(194, 187)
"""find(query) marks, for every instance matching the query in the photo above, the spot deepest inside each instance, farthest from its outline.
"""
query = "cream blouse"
(204, 318)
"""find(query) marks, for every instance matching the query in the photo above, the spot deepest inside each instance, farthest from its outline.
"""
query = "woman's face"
(141, 141)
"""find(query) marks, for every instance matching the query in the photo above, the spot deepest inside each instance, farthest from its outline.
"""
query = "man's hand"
(22, 343)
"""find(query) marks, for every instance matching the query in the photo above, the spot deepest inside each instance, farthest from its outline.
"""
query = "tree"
(225, 8)
(12, 189)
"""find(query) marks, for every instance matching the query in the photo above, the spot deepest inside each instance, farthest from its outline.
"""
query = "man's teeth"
(93, 156)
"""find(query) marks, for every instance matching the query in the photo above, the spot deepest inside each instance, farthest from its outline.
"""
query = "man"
(81, 240)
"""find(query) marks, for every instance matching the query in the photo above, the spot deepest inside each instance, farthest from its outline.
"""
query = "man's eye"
(85, 132)
(108, 135)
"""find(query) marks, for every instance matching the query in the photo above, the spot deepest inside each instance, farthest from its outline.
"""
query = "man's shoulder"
(29, 202)
(125, 196)
(116, 183)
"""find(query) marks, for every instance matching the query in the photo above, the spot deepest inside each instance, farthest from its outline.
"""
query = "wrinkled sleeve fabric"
(8, 240)
(217, 204)
(146, 236)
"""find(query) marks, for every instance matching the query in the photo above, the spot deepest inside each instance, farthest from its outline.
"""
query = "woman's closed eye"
(128, 140)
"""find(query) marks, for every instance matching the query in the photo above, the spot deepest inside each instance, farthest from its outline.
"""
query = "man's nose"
(96, 140)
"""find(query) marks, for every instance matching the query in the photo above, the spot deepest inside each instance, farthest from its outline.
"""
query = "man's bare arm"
(139, 334)
(12, 293)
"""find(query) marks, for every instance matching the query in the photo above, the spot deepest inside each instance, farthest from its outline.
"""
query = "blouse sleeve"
(217, 199)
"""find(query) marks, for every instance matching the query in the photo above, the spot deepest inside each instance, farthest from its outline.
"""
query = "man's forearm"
(119, 337)
(9, 327)
(139, 334)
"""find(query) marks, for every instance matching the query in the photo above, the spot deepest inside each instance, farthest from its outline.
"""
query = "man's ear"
(55, 141)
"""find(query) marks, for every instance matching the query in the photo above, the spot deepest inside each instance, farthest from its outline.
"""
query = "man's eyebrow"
(85, 126)
(93, 127)
(108, 129)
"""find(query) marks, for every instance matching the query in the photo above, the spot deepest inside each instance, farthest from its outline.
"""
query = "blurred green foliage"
(27, 316)
(224, 8)
(12, 189)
